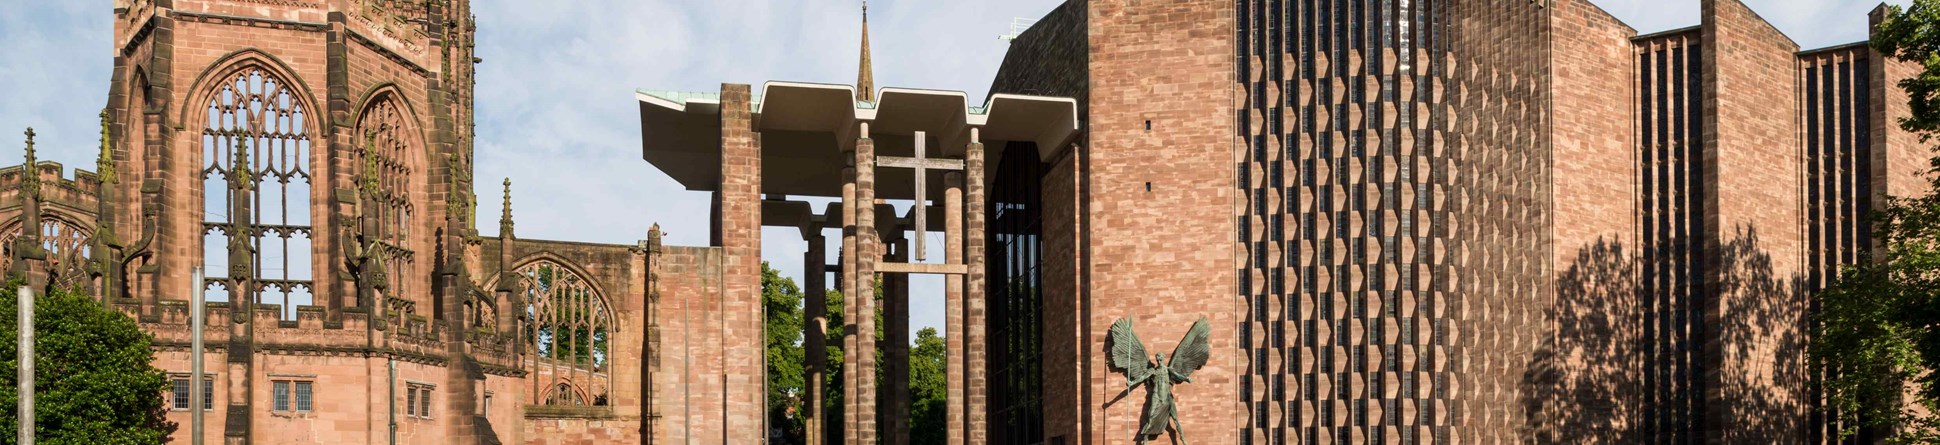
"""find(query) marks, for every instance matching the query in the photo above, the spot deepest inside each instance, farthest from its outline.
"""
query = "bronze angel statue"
(1128, 354)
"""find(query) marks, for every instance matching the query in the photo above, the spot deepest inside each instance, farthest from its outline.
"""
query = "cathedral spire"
(505, 214)
(865, 84)
(104, 164)
(30, 170)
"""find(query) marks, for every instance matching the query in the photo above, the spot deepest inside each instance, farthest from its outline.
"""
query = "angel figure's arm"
(1133, 383)
(1179, 377)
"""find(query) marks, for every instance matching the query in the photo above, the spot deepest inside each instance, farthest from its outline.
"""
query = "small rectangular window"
(181, 394)
(417, 401)
(281, 395)
(303, 396)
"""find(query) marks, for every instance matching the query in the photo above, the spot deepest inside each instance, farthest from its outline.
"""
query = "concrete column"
(744, 377)
(867, 251)
(973, 290)
(815, 332)
(954, 378)
(895, 316)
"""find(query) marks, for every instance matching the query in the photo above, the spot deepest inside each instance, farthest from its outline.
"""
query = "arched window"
(387, 154)
(564, 394)
(568, 334)
(257, 113)
(68, 248)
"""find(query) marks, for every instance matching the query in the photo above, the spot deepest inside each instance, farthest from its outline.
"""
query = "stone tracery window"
(257, 113)
(568, 331)
(68, 248)
(388, 147)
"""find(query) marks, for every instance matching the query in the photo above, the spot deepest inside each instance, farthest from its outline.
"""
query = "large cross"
(922, 164)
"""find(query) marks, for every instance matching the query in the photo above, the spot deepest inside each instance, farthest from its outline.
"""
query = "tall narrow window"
(256, 113)
(568, 331)
(387, 150)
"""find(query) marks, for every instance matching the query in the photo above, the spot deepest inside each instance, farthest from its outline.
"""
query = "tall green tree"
(94, 383)
(926, 386)
(782, 307)
(1878, 334)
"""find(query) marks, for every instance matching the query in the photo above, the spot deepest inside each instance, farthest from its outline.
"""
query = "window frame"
(298, 396)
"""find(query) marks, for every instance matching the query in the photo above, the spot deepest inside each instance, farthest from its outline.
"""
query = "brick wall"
(739, 232)
(1585, 365)
(1491, 182)
(1160, 255)
(1754, 344)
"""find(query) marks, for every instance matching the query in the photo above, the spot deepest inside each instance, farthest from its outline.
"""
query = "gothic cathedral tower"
(314, 157)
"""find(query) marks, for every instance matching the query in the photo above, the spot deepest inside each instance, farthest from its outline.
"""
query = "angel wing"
(1127, 352)
(1193, 350)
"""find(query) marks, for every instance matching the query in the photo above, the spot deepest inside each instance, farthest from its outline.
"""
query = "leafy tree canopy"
(1879, 326)
(95, 383)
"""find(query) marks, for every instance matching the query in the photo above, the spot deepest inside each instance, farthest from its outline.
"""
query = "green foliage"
(94, 381)
(927, 363)
(1877, 334)
(782, 305)
(568, 298)
(787, 376)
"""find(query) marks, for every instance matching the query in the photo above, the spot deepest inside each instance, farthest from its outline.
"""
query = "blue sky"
(556, 112)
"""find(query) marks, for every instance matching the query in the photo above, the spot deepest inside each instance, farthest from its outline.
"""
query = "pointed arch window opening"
(568, 332)
(68, 246)
(386, 154)
(256, 112)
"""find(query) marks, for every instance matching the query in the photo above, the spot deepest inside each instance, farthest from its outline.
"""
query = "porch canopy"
(806, 126)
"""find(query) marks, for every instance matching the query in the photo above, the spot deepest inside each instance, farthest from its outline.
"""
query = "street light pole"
(26, 370)
(197, 311)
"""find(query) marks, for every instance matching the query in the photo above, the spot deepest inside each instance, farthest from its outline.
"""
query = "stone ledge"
(569, 412)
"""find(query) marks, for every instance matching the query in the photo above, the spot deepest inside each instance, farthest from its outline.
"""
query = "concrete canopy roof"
(805, 127)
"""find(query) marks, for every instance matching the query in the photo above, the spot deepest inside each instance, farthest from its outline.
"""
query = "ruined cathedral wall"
(684, 372)
(618, 276)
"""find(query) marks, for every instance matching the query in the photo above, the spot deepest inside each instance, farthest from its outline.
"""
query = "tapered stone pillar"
(895, 316)
(954, 380)
(972, 225)
(859, 270)
(739, 235)
(815, 332)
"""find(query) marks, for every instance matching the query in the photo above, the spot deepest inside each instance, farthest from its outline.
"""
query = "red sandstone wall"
(1899, 159)
(1593, 138)
(1588, 331)
(1162, 257)
(685, 352)
(1755, 372)
(740, 233)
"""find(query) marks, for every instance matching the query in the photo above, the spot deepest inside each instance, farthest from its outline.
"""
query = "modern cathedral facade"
(1407, 221)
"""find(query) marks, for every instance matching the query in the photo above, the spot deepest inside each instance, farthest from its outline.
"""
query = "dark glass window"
(1016, 313)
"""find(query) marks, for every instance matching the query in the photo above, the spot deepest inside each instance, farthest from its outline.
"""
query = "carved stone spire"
(29, 260)
(242, 253)
(30, 171)
(104, 164)
(505, 213)
(865, 84)
(106, 262)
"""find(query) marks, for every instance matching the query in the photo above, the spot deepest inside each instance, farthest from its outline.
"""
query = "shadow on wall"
(1586, 381)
